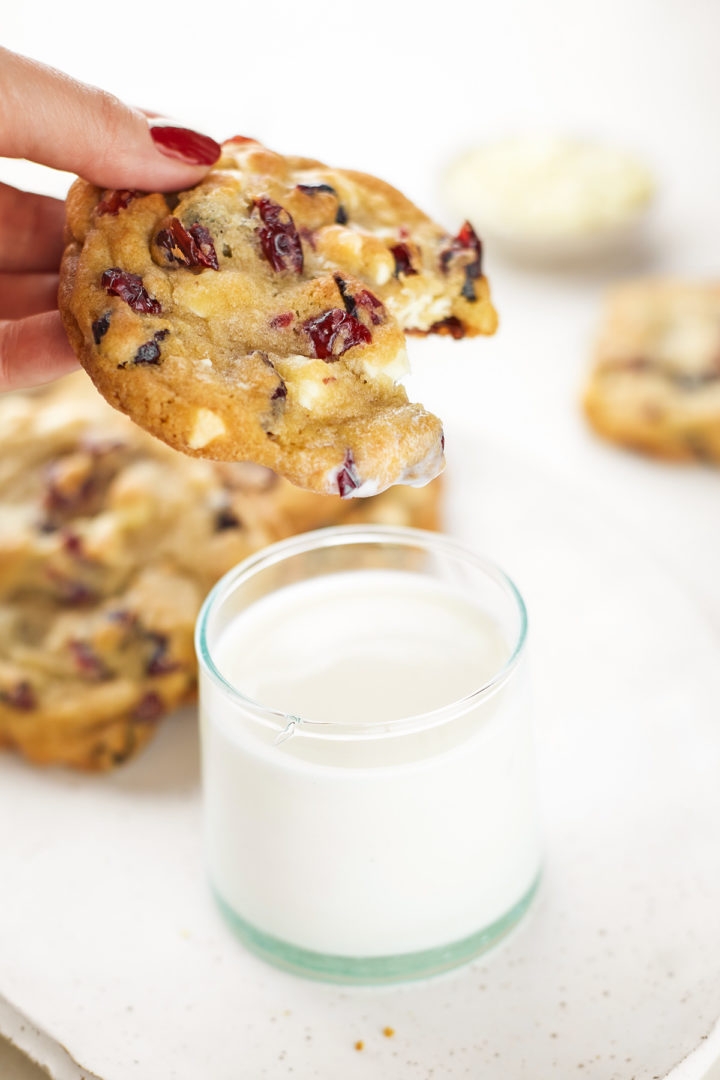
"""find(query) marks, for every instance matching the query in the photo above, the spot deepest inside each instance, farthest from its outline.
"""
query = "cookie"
(259, 316)
(85, 684)
(655, 385)
(109, 540)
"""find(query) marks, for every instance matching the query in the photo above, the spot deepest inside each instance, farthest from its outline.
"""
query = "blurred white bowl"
(544, 198)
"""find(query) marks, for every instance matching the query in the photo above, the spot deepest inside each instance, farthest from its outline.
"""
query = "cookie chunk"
(109, 540)
(655, 386)
(260, 315)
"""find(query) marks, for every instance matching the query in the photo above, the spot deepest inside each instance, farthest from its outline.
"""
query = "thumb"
(50, 118)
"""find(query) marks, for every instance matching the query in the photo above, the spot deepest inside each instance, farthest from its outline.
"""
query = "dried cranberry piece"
(312, 189)
(468, 289)
(150, 707)
(204, 242)
(341, 216)
(373, 306)
(334, 332)
(187, 247)
(129, 287)
(87, 661)
(20, 696)
(226, 519)
(159, 663)
(466, 240)
(100, 327)
(403, 260)
(308, 236)
(78, 594)
(347, 298)
(281, 245)
(149, 353)
(347, 478)
(115, 201)
(451, 326)
(363, 299)
(71, 592)
(72, 543)
(282, 320)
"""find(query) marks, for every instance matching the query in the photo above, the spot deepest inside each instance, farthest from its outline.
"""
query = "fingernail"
(184, 144)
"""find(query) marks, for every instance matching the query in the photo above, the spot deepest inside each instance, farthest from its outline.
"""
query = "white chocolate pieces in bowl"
(548, 198)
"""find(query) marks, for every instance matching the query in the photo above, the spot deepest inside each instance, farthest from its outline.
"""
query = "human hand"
(52, 119)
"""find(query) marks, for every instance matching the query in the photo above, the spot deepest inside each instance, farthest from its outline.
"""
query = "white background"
(396, 88)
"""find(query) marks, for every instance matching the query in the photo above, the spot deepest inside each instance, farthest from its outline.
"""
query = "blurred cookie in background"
(546, 198)
(109, 541)
(655, 384)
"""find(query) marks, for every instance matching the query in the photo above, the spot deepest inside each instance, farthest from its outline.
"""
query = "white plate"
(111, 945)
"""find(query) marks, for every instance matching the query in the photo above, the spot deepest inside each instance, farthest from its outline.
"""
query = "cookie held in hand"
(259, 316)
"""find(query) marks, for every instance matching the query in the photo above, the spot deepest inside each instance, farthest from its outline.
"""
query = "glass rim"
(285, 723)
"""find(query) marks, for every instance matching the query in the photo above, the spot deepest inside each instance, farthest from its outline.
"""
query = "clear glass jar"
(369, 796)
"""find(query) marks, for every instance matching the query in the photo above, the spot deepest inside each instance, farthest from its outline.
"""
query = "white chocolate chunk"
(309, 392)
(208, 426)
(306, 378)
(394, 369)
(419, 312)
(382, 271)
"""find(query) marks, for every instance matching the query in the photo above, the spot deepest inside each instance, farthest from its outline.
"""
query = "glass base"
(374, 969)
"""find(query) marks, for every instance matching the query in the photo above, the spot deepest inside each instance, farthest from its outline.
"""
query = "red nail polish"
(185, 145)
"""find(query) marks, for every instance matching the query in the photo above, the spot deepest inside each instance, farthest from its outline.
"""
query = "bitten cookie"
(260, 315)
(109, 540)
(655, 385)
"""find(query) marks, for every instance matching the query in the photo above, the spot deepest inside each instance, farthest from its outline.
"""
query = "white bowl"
(543, 198)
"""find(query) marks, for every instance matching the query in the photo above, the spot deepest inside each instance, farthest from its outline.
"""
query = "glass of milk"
(369, 798)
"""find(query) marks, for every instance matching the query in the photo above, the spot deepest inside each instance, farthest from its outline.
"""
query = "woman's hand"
(49, 118)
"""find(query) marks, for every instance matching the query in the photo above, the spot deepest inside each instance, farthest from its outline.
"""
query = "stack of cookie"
(109, 542)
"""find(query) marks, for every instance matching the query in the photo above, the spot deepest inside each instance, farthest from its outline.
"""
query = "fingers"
(33, 351)
(50, 118)
(31, 231)
(27, 294)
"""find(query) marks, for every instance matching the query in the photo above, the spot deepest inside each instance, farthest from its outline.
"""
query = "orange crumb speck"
(388, 1032)
(359, 1045)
